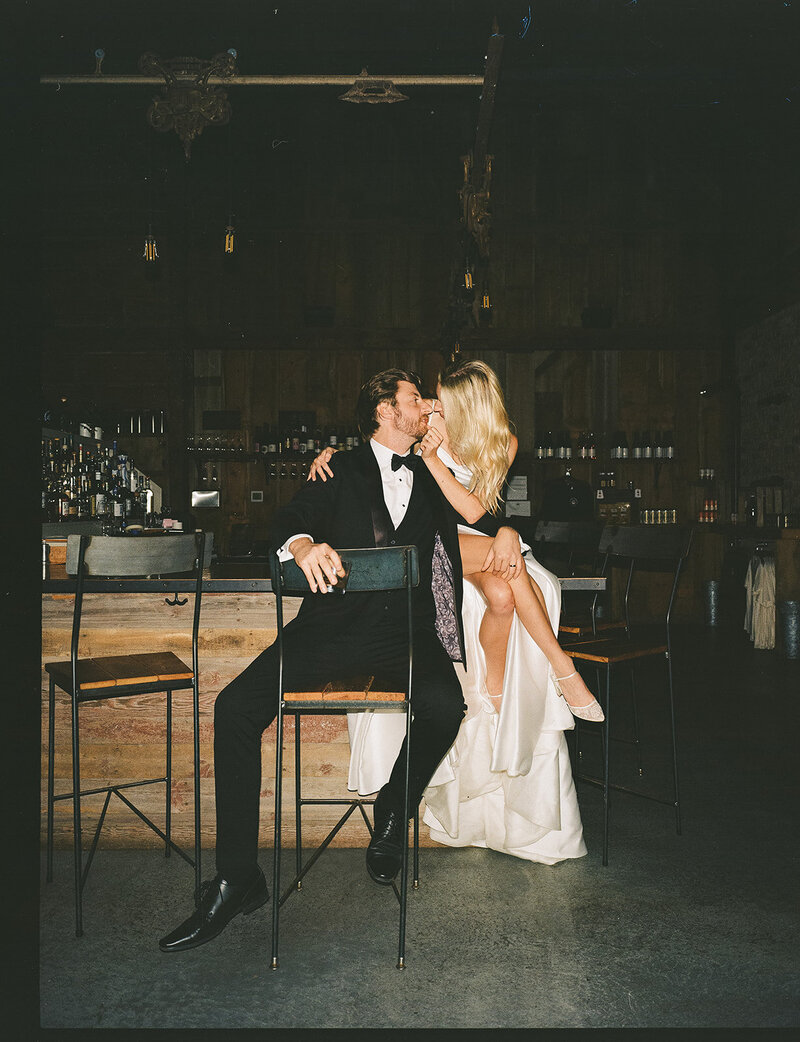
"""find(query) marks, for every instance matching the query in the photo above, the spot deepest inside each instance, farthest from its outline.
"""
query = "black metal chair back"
(635, 548)
(370, 570)
(109, 565)
(569, 541)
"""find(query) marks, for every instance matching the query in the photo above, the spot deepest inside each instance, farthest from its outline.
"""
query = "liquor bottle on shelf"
(101, 502)
(710, 511)
(647, 446)
(83, 509)
(118, 502)
(63, 499)
(133, 511)
(669, 445)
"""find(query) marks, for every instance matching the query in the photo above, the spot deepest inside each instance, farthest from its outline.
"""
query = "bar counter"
(123, 739)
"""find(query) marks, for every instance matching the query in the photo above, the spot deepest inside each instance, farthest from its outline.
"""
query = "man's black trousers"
(249, 704)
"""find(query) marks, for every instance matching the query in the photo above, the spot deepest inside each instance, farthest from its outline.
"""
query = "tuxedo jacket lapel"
(382, 526)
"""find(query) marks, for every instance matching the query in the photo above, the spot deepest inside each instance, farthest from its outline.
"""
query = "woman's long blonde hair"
(477, 426)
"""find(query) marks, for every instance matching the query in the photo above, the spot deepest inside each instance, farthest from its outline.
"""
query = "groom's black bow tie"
(411, 461)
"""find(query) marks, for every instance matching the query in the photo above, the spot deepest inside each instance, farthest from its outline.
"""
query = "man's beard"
(414, 429)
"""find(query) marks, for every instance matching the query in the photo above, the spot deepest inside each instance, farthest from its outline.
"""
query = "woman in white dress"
(506, 782)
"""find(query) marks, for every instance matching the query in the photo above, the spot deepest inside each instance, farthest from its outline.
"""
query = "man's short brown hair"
(382, 387)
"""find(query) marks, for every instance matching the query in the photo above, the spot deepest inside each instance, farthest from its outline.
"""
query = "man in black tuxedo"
(377, 497)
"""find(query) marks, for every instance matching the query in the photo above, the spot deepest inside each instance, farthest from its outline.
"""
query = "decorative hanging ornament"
(187, 104)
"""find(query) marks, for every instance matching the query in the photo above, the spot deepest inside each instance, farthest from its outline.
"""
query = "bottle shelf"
(51, 433)
(611, 461)
(87, 480)
(225, 457)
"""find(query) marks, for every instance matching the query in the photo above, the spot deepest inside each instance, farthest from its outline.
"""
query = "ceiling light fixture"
(188, 104)
(370, 90)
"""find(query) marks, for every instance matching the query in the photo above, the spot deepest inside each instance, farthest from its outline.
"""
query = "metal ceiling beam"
(470, 80)
(492, 71)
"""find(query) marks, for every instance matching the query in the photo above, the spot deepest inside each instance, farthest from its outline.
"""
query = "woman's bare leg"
(530, 606)
(495, 628)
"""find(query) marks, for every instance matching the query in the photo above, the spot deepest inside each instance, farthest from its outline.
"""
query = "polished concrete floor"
(690, 931)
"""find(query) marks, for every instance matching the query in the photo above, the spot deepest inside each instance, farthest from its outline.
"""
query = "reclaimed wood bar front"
(123, 739)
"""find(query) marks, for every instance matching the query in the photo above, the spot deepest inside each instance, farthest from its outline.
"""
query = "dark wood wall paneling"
(346, 231)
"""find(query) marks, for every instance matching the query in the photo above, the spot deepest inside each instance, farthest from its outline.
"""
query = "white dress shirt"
(397, 486)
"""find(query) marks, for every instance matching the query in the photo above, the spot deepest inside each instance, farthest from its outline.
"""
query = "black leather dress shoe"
(385, 850)
(220, 901)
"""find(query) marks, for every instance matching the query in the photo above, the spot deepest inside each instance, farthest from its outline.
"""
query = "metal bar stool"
(665, 546)
(373, 569)
(575, 544)
(108, 564)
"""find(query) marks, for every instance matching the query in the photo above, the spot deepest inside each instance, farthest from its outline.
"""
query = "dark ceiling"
(712, 85)
(724, 73)
(705, 51)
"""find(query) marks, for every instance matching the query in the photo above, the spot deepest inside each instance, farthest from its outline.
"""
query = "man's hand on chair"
(319, 562)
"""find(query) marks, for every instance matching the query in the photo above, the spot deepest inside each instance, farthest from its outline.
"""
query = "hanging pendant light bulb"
(230, 231)
(485, 309)
(150, 248)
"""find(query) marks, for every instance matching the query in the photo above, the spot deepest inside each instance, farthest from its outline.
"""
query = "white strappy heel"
(591, 712)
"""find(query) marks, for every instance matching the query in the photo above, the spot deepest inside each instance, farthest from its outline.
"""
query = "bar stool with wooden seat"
(665, 547)
(371, 569)
(114, 564)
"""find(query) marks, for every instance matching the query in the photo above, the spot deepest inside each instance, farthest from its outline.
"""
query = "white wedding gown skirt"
(506, 782)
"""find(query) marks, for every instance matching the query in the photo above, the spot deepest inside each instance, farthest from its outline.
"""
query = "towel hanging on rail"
(759, 621)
